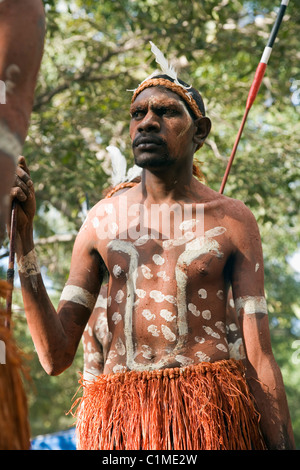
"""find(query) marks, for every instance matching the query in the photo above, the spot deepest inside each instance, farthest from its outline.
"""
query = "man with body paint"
(96, 336)
(168, 380)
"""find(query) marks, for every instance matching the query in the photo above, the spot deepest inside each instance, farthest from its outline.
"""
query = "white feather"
(133, 172)
(118, 163)
(166, 68)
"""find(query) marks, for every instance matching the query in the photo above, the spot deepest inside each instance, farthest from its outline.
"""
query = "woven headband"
(178, 89)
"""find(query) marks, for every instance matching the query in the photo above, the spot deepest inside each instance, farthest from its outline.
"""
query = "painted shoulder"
(233, 208)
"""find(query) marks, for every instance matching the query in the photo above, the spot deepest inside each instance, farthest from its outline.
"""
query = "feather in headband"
(165, 66)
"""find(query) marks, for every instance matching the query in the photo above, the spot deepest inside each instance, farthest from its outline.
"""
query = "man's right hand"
(23, 192)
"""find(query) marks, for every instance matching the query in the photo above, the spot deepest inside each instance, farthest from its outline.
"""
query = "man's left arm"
(262, 372)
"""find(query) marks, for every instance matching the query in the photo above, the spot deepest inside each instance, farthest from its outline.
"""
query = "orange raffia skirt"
(202, 407)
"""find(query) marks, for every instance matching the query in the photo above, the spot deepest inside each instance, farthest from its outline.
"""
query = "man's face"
(161, 129)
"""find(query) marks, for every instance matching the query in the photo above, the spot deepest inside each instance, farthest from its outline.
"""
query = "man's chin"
(152, 162)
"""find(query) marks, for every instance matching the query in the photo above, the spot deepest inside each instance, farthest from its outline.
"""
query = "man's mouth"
(148, 142)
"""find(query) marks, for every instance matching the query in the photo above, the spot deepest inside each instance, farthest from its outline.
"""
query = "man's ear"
(203, 126)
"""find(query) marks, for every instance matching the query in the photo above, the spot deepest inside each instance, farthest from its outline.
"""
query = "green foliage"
(95, 52)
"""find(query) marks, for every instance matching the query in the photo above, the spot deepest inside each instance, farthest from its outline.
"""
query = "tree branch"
(86, 76)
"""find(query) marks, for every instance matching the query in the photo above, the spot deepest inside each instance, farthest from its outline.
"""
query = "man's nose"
(150, 123)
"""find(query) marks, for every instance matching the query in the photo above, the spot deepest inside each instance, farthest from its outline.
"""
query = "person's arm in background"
(56, 335)
(22, 32)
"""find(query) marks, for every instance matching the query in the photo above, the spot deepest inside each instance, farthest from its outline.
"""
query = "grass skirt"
(202, 407)
(14, 422)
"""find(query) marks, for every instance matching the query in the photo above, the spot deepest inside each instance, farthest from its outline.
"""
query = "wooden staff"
(11, 263)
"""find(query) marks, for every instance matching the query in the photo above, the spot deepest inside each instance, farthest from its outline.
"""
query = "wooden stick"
(11, 263)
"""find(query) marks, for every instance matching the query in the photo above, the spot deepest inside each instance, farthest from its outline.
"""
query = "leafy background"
(94, 53)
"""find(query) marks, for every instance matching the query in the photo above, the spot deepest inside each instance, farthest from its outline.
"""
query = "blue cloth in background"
(62, 440)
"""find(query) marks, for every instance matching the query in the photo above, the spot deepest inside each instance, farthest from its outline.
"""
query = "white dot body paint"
(168, 334)
(148, 314)
(209, 331)
(89, 330)
(202, 356)
(206, 314)
(163, 276)
(153, 330)
(157, 296)
(11, 71)
(146, 272)
(220, 294)
(236, 349)
(116, 318)
(233, 327)
(101, 302)
(147, 351)
(119, 296)
(199, 340)
(159, 260)
(141, 293)
(202, 293)
(170, 298)
(142, 240)
(193, 309)
(117, 271)
(221, 326)
(111, 356)
(120, 347)
(193, 249)
(167, 315)
(251, 305)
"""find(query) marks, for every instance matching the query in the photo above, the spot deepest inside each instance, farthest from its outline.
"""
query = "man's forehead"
(159, 95)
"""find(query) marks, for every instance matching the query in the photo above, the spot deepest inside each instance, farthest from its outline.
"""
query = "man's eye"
(167, 111)
(138, 114)
(162, 111)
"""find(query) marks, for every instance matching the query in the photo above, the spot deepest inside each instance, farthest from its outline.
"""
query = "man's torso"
(167, 294)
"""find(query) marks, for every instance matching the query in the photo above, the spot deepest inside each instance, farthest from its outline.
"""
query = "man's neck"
(166, 185)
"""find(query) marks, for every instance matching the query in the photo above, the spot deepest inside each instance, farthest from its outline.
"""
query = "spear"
(259, 74)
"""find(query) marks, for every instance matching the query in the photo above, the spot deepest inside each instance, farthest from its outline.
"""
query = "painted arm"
(22, 30)
(262, 372)
(55, 334)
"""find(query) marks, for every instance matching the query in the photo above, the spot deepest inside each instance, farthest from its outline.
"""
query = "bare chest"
(148, 258)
